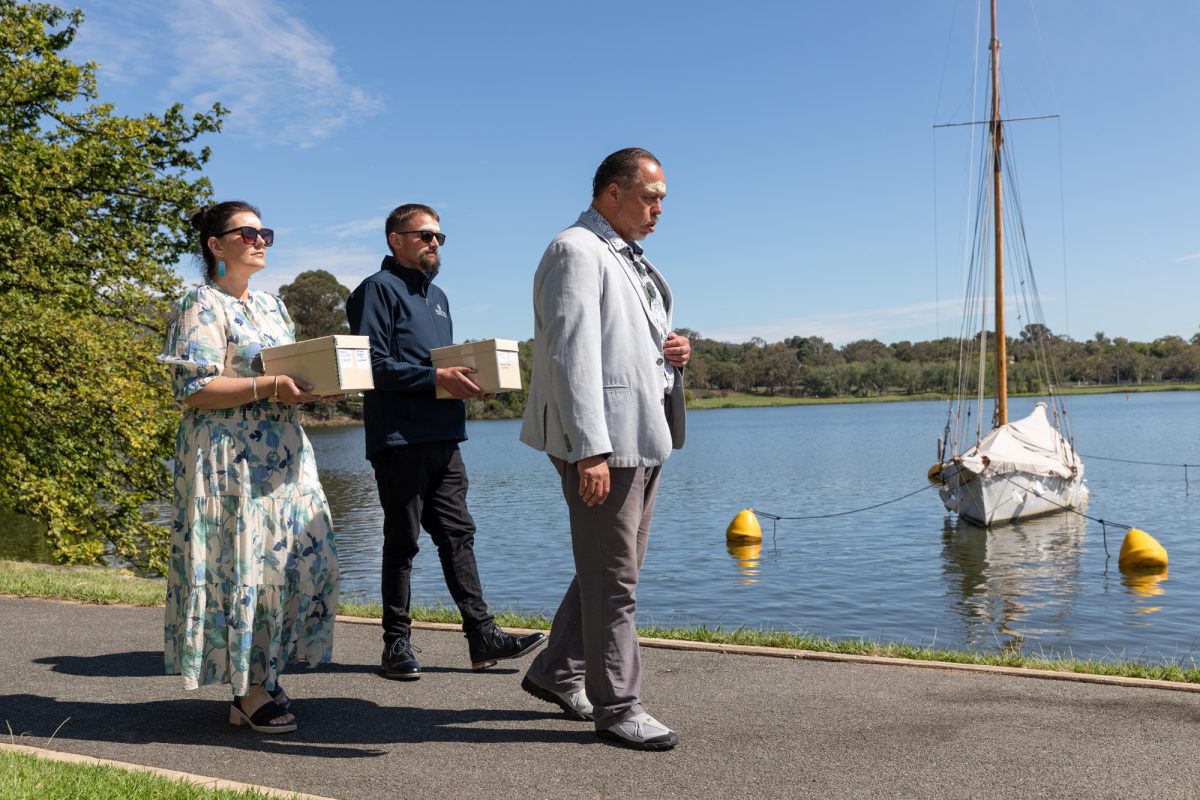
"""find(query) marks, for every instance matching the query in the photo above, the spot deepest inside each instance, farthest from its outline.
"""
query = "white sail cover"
(1028, 445)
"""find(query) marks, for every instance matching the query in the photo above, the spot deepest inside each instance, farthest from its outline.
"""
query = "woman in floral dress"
(252, 585)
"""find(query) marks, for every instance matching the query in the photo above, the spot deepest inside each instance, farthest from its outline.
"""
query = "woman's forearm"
(223, 392)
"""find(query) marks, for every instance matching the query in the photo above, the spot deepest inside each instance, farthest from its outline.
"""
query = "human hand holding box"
(494, 361)
(332, 364)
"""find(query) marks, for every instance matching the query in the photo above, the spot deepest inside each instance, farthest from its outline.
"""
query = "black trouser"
(425, 485)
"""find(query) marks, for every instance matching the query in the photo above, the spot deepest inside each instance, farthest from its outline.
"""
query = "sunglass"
(250, 235)
(429, 236)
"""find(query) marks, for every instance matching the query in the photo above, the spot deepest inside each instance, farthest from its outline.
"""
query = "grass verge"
(99, 585)
(27, 777)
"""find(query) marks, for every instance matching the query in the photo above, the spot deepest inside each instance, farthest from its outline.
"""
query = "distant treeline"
(809, 366)
(812, 367)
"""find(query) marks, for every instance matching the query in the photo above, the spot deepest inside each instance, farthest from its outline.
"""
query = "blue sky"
(808, 193)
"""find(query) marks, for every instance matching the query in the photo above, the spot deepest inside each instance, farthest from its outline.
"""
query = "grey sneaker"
(575, 704)
(642, 732)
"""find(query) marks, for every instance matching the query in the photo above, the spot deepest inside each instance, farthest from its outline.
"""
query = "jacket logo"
(437, 309)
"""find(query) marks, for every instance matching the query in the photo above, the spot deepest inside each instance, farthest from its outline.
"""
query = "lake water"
(904, 572)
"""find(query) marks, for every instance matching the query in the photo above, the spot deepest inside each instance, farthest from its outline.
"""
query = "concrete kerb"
(202, 781)
(845, 658)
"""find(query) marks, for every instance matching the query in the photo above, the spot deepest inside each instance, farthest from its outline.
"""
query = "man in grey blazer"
(606, 404)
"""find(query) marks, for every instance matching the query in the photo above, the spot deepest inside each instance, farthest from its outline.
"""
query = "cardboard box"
(332, 364)
(495, 362)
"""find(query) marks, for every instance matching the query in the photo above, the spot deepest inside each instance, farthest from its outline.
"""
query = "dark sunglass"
(429, 236)
(250, 235)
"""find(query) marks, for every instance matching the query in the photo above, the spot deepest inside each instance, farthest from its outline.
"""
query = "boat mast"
(997, 131)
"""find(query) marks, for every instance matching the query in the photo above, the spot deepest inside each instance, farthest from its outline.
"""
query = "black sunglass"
(429, 236)
(250, 235)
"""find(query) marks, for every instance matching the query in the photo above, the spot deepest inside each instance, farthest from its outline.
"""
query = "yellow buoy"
(744, 527)
(1140, 550)
(935, 473)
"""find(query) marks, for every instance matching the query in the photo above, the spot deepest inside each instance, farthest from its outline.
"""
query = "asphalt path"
(87, 679)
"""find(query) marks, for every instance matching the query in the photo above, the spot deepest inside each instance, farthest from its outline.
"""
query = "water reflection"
(24, 539)
(747, 556)
(1014, 581)
(1144, 584)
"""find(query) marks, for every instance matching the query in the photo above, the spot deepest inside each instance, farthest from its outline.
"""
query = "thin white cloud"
(349, 264)
(278, 78)
(118, 38)
(358, 228)
(848, 326)
(1190, 257)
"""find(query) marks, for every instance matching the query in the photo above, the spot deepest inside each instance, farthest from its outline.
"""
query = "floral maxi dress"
(252, 584)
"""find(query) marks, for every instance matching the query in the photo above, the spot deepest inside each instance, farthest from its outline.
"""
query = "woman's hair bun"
(198, 216)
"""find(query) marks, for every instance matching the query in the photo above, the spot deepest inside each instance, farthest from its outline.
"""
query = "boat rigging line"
(989, 122)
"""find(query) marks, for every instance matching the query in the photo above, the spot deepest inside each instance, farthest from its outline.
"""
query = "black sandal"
(260, 720)
(286, 702)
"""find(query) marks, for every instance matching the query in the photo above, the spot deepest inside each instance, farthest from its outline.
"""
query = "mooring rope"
(776, 517)
(1186, 484)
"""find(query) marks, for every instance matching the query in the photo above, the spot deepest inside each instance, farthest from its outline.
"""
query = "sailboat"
(1019, 469)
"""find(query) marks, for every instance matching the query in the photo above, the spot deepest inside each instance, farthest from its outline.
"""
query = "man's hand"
(594, 483)
(455, 381)
(677, 350)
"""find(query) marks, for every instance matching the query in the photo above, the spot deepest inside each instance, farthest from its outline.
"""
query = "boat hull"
(996, 498)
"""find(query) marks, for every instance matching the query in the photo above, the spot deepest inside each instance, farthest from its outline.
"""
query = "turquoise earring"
(220, 269)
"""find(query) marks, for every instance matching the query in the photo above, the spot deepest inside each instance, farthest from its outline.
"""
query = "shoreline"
(750, 400)
(110, 586)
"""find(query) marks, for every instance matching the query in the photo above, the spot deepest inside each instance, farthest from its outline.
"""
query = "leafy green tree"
(317, 303)
(91, 220)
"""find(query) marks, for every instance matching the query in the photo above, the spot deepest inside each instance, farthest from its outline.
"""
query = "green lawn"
(98, 585)
(27, 777)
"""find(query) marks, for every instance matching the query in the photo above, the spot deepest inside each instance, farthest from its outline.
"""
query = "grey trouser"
(593, 640)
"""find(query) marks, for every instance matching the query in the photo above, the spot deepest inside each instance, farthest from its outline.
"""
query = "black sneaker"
(398, 661)
(492, 644)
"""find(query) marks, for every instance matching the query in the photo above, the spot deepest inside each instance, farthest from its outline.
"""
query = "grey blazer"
(597, 383)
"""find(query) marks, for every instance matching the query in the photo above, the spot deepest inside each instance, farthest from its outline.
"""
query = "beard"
(430, 261)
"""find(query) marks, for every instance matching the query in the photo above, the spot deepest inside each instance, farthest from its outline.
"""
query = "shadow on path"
(149, 664)
(330, 727)
(143, 664)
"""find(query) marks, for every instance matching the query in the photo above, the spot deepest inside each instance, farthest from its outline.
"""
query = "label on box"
(363, 358)
(345, 359)
(505, 358)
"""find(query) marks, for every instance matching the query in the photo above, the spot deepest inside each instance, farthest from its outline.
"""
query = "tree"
(780, 369)
(317, 303)
(866, 350)
(91, 219)
(725, 375)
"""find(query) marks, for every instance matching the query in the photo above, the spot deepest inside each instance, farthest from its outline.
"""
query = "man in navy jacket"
(412, 441)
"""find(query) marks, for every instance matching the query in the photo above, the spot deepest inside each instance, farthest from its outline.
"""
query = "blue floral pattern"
(252, 585)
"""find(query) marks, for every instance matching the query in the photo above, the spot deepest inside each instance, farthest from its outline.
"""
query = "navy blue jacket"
(405, 316)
